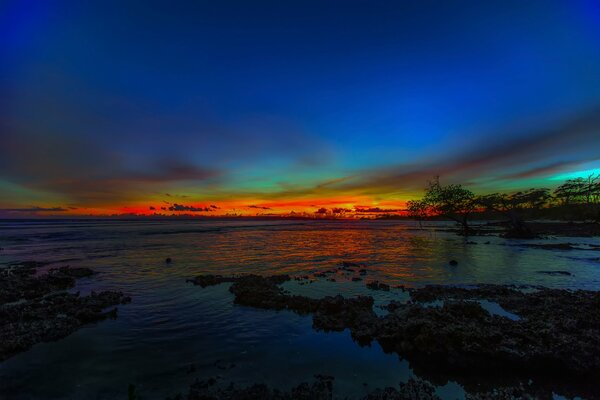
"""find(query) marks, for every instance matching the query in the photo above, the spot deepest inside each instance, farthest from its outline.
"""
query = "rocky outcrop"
(557, 334)
(36, 309)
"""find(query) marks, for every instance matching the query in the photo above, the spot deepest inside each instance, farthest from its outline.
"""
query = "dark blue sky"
(279, 99)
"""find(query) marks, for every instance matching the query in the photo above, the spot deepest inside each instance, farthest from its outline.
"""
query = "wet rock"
(453, 263)
(414, 389)
(20, 282)
(51, 318)
(502, 394)
(557, 334)
(564, 273)
(346, 265)
(168, 260)
(35, 308)
(210, 280)
(376, 285)
(320, 389)
(551, 246)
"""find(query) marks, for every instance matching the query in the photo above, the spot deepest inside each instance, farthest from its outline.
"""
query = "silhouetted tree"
(581, 195)
(512, 205)
(417, 209)
(450, 201)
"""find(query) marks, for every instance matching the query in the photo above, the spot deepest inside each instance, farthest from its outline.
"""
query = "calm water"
(172, 325)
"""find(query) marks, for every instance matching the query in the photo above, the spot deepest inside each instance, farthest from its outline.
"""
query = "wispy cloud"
(35, 209)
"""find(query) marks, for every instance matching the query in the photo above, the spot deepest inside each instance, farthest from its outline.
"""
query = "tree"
(417, 209)
(581, 194)
(451, 201)
(512, 205)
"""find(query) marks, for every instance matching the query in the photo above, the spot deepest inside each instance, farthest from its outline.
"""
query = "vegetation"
(451, 201)
(576, 199)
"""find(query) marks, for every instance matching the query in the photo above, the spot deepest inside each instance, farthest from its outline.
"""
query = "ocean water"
(173, 332)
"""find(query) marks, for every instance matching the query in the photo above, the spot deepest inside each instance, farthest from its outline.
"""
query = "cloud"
(35, 209)
(180, 207)
(258, 207)
(525, 154)
(340, 210)
(375, 210)
(87, 173)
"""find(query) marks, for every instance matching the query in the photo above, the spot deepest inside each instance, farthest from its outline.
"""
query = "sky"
(272, 107)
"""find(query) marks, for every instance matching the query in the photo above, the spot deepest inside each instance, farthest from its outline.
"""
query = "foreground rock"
(36, 309)
(320, 389)
(556, 338)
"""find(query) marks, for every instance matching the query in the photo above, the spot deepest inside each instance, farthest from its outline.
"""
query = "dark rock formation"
(36, 309)
(376, 285)
(557, 335)
(565, 273)
(320, 389)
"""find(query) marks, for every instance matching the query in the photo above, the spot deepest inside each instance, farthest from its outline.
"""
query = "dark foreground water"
(174, 332)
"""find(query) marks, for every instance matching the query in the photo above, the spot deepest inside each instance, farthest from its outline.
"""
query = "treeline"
(575, 200)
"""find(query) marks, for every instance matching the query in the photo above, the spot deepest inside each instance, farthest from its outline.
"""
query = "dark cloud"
(87, 172)
(215, 207)
(340, 210)
(258, 207)
(151, 208)
(541, 170)
(375, 210)
(180, 207)
(526, 155)
(321, 210)
(35, 209)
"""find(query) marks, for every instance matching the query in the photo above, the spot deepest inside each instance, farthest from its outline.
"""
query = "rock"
(168, 260)
(320, 389)
(34, 308)
(565, 273)
(453, 263)
(376, 285)
(356, 279)
(210, 280)
(557, 334)
(346, 265)
(551, 246)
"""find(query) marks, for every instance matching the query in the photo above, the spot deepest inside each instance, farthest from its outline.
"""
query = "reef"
(320, 389)
(555, 341)
(36, 308)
